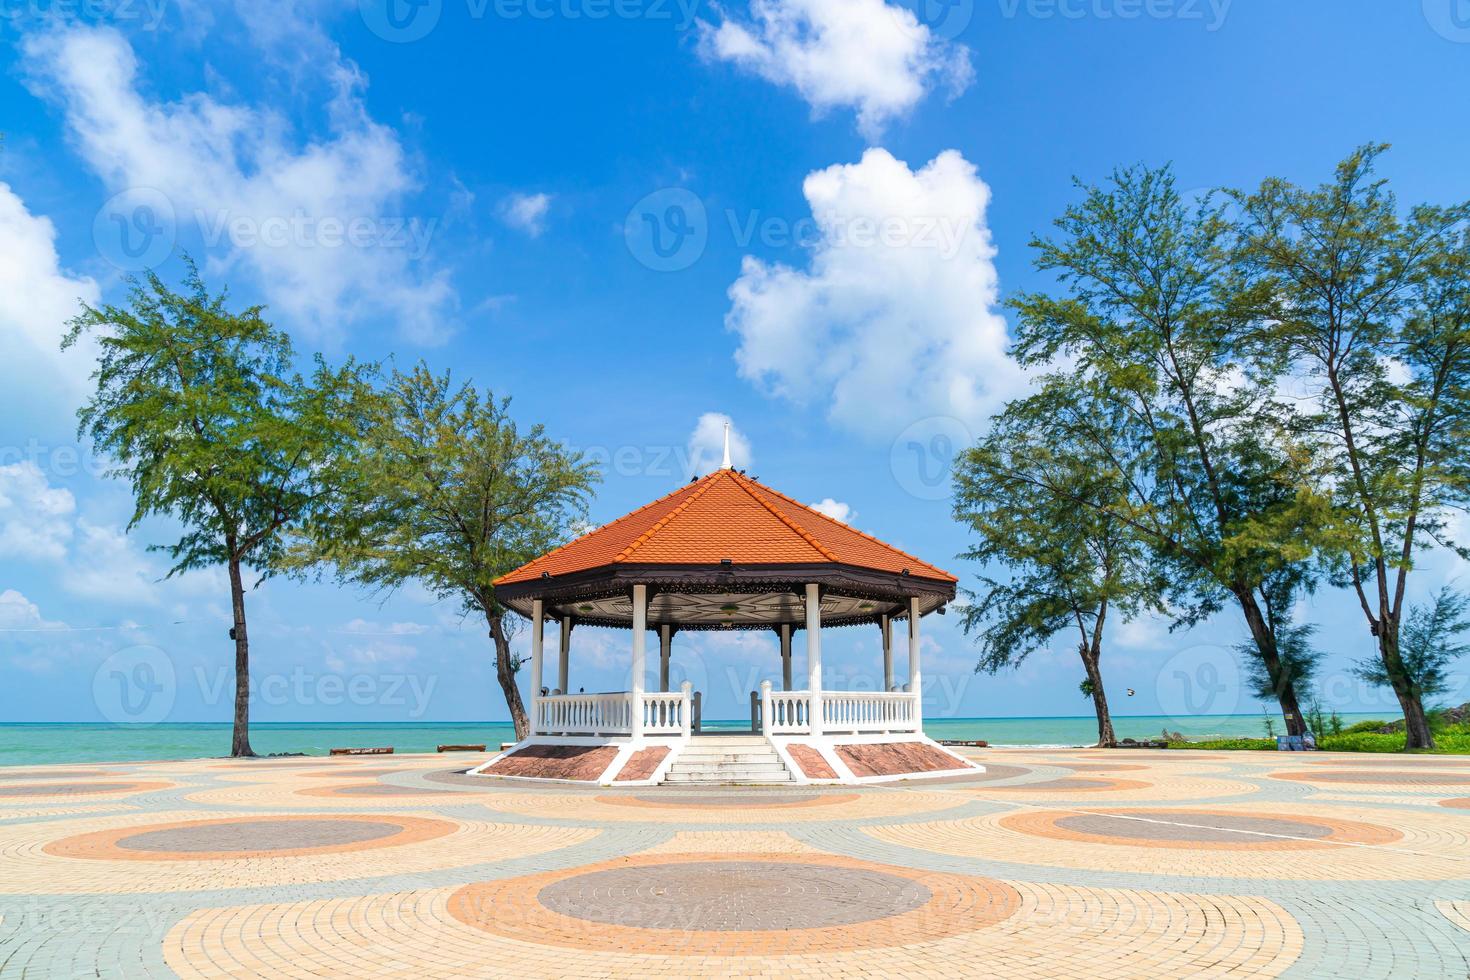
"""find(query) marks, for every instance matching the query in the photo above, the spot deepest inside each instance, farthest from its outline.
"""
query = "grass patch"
(1455, 741)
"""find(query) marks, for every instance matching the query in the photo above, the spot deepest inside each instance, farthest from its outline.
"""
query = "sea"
(23, 744)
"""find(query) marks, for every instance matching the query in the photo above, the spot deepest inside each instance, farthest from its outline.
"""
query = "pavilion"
(720, 553)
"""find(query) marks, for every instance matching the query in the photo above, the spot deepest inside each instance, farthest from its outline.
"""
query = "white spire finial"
(726, 464)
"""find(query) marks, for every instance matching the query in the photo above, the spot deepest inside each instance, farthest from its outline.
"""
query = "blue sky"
(633, 216)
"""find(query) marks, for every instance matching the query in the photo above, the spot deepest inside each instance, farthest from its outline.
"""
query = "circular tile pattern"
(259, 835)
(1189, 829)
(1203, 828)
(708, 905)
(73, 789)
(11, 775)
(734, 895)
(1399, 778)
(251, 837)
(370, 789)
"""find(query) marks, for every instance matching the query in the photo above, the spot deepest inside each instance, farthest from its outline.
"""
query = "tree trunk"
(505, 672)
(1090, 657)
(1416, 723)
(1265, 641)
(240, 742)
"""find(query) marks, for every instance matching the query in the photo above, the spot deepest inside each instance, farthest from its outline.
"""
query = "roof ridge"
(662, 522)
(587, 534)
(849, 527)
(741, 481)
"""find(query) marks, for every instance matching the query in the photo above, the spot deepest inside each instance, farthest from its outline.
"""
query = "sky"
(638, 218)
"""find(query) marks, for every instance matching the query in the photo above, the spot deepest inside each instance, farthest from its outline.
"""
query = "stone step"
(718, 758)
(730, 775)
(771, 766)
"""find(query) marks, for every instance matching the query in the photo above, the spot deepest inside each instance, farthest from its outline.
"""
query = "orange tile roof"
(724, 515)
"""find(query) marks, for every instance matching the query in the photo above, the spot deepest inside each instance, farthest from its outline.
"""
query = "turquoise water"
(35, 744)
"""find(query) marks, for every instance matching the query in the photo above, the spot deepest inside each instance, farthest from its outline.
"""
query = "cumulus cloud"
(36, 299)
(19, 613)
(894, 319)
(35, 517)
(706, 445)
(526, 212)
(317, 220)
(835, 509)
(867, 55)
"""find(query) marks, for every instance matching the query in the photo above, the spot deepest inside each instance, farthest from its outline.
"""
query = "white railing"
(786, 711)
(584, 714)
(668, 713)
(660, 713)
(868, 712)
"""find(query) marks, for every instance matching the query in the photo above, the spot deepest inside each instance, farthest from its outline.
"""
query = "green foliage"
(1429, 642)
(1152, 318)
(1039, 507)
(1269, 722)
(1370, 307)
(449, 492)
(1087, 688)
(1370, 727)
(208, 423)
(1229, 743)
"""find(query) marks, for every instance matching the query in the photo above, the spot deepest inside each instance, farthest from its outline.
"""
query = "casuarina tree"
(204, 415)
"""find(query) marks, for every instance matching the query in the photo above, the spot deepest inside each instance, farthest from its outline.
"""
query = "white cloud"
(365, 627)
(36, 300)
(895, 318)
(835, 509)
(35, 517)
(706, 445)
(318, 221)
(19, 613)
(526, 212)
(106, 566)
(864, 54)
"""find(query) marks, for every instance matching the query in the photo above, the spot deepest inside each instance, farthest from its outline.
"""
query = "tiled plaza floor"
(1067, 863)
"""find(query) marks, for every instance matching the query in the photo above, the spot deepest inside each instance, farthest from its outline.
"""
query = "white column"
(916, 678)
(565, 654)
(538, 630)
(885, 623)
(814, 655)
(665, 647)
(687, 712)
(785, 656)
(640, 641)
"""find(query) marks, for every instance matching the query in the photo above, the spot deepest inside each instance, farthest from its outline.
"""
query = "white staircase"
(712, 760)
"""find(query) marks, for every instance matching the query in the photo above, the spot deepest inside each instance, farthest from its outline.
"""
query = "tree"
(1070, 565)
(1429, 642)
(1151, 314)
(450, 493)
(1294, 649)
(198, 407)
(1372, 310)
